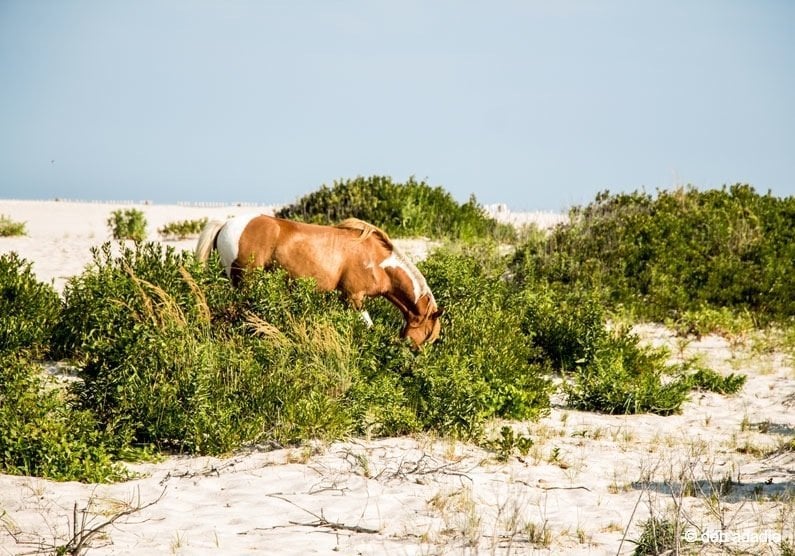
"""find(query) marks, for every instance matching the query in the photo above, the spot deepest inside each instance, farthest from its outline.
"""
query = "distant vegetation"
(174, 359)
(410, 209)
(127, 224)
(182, 229)
(685, 255)
(9, 228)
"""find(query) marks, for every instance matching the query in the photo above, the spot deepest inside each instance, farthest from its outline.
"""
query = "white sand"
(587, 478)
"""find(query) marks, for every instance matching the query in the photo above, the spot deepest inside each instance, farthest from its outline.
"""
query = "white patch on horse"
(228, 240)
(398, 260)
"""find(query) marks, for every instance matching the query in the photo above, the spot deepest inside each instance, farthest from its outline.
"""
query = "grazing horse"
(353, 257)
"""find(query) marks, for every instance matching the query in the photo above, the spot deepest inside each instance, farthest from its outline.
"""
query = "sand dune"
(587, 480)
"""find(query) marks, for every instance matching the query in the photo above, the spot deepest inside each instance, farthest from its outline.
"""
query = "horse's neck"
(405, 291)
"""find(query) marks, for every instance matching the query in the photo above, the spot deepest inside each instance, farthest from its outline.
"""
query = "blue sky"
(539, 105)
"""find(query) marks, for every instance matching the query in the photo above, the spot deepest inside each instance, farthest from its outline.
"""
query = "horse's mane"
(366, 230)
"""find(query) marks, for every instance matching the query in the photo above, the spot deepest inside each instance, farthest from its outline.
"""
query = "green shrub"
(29, 308)
(711, 381)
(658, 536)
(624, 378)
(681, 251)
(9, 228)
(725, 321)
(606, 370)
(182, 229)
(483, 367)
(508, 443)
(402, 209)
(172, 355)
(128, 224)
(113, 294)
(42, 433)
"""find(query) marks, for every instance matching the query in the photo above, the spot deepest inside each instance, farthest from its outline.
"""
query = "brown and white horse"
(353, 257)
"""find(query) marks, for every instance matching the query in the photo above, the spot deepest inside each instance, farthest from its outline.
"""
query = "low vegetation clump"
(182, 229)
(29, 309)
(127, 224)
(658, 536)
(604, 369)
(710, 381)
(10, 228)
(41, 430)
(408, 209)
(719, 253)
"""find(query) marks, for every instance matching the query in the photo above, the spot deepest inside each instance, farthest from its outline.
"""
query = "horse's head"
(424, 327)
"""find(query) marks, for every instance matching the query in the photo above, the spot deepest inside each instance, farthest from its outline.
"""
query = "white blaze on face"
(228, 240)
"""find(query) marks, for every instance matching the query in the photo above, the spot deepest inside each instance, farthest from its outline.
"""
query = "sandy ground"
(588, 481)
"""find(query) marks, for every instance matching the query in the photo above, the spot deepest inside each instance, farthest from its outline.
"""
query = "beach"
(586, 486)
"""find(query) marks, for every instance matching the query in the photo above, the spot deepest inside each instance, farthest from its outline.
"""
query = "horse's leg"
(357, 301)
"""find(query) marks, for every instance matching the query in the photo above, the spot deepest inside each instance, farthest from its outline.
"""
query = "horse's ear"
(438, 313)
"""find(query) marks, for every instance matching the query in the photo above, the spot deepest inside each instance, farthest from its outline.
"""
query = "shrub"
(182, 229)
(658, 536)
(625, 378)
(402, 209)
(43, 435)
(110, 297)
(709, 380)
(127, 224)
(9, 228)
(606, 370)
(681, 251)
(483, 366)
(29, 308)
(714, 320)
(172, 355)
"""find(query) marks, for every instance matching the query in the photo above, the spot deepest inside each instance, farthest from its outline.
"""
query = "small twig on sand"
(336, 526)
(554, 487)
(322, 521)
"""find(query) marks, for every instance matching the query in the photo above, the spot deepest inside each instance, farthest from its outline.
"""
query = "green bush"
(182, 229)
(401, 209)
(677, 253)
(658, 536)
(114, 293)
(709, 380)
(127, 224)
(43, 434)
(29, 309)
(605, 370)
(172, 355)
(9, 228)
(484, 366)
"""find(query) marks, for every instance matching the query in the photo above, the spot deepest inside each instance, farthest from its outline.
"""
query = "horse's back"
(234, 240)
(336, 257)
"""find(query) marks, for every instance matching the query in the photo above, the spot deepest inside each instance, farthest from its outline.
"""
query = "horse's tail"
(206, 242)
